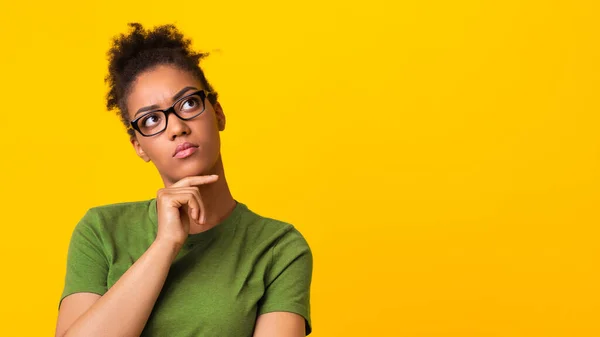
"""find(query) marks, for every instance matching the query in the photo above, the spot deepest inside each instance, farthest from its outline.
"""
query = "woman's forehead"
(159, 85)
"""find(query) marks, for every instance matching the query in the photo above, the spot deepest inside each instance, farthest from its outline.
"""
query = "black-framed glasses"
(154, 122)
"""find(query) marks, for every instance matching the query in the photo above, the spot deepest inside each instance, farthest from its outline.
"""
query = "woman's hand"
(172, 200)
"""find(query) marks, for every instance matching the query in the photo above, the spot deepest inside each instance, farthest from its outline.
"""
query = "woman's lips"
(184, 149)
(185, 153)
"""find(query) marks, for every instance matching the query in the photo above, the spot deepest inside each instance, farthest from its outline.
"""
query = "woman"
(192, 261)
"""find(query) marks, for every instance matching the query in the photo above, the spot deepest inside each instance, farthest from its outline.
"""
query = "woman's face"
(156, 88)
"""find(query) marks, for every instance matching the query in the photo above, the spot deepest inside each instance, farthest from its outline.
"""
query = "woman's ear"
(221, 120)
(138, 149)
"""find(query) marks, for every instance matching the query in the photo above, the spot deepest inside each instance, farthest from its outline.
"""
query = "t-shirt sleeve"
(87, 265)
(289, 277)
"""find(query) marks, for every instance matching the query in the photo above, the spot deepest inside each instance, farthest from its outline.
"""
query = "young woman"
(193, 261)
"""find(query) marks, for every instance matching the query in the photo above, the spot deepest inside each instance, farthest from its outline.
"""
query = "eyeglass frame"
(203, 96)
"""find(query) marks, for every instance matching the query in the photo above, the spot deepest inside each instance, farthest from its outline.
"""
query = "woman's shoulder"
(121, 206)
(265, 227)
(108, 216)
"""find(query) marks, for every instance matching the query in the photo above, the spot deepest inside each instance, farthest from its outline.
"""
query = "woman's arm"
(125, 308)
(280, 324)
(284, 309)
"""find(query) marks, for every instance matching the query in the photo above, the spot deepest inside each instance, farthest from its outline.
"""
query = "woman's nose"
(177, 127)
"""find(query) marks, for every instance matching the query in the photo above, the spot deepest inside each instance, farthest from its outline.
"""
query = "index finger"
(196, 180)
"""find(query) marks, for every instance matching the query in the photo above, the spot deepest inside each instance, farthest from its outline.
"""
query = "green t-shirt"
(220, 281)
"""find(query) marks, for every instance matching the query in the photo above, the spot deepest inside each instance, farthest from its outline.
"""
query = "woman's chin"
(189, 167)
(194, 169)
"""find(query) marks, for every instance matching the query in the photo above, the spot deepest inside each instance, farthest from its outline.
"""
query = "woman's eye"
(190, 104)
(151, 120)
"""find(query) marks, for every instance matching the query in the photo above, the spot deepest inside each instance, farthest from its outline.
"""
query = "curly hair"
(140, 50)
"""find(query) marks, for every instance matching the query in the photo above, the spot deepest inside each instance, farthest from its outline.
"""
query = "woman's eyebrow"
(175, 97)
(181, 92)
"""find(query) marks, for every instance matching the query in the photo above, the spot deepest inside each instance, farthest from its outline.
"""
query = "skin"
(195, 198)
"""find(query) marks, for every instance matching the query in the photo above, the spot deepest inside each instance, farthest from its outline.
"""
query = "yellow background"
(441, 157)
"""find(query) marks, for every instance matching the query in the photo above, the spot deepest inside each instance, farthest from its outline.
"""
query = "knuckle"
(163, 194)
